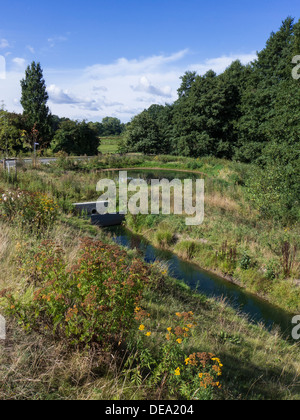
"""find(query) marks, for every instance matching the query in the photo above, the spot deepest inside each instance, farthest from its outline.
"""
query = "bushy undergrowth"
(94, 301)
(90, 302)
(160, 356)
(34, 212)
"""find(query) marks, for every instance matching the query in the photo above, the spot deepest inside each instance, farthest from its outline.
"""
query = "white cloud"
(220, 64)
(4, 43)
(59, 96)
(31, 49)
(20, 63)
(2, 68)
(145, 85)
(123, 88)
(137, 66)
(99, 89)
(55, 40)
(10, 89)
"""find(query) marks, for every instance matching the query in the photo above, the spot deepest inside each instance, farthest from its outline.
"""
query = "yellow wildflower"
(177, 372)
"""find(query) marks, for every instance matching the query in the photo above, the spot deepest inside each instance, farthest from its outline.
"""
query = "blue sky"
(117, 57)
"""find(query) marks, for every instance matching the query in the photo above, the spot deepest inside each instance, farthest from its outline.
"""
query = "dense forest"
(234, 115)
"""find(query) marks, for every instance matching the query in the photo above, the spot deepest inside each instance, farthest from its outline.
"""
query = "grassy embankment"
(234, 241)
(257, 364)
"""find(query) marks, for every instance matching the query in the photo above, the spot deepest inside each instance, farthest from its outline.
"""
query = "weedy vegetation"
(90, 320)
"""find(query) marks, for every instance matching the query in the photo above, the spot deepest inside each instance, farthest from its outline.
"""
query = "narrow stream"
(254, 308)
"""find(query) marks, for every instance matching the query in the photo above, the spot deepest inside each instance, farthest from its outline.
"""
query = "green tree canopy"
(76, 138)
(34, 102)
(10, 133)
(111, 126)
(150, 131)
(270, 101)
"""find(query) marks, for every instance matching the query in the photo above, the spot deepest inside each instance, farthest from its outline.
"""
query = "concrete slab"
(106, 220)
(88, 208)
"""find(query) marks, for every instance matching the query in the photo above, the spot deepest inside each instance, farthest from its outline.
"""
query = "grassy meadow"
(89, 320)
(109, 144)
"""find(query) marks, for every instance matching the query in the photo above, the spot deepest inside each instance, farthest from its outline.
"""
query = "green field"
(109, 144)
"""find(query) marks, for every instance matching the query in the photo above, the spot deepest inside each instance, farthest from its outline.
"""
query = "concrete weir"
(88, 208)
(103, 220)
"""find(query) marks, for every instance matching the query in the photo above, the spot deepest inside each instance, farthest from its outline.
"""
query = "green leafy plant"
(164, 364)
(91, 302)
(34, 212)
(245, 261)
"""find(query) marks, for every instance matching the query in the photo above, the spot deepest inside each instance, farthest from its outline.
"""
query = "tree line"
(249, 113)
(19, 132)
(234, 115)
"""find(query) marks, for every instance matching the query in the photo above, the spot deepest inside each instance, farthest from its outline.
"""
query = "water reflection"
(257, 310)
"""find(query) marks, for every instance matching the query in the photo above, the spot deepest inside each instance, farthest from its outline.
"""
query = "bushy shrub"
(245, 261)
(91, 302)
(34, 212)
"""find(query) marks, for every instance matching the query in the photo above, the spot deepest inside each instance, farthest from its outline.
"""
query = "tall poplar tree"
(34, 102)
